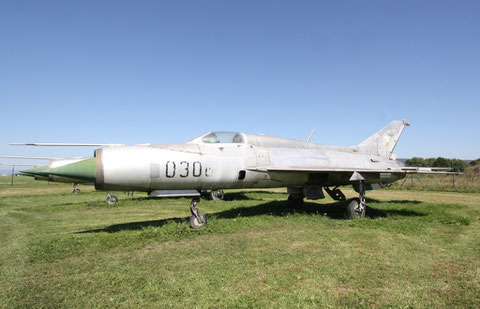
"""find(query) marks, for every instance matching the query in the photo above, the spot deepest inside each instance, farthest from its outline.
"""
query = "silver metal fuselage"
(204, 166)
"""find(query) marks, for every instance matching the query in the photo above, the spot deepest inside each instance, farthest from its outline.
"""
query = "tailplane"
(384, 141)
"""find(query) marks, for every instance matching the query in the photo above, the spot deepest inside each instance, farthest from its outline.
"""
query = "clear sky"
(165, 72)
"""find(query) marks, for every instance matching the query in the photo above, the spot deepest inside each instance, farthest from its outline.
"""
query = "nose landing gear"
(111, 199)
(198, 218)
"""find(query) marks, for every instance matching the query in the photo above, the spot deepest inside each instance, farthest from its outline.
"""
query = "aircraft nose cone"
(84, 170)
(34, 171)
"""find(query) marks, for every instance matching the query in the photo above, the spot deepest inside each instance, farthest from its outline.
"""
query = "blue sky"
(165, 72)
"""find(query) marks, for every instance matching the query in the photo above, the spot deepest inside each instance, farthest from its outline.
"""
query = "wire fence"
(468, 181)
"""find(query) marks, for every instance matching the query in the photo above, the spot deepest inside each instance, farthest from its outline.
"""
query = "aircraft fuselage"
(228, 165)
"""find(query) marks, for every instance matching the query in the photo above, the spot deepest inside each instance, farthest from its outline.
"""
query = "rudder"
(384, 141)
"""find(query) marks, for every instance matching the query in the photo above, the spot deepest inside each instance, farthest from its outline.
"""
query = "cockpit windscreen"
(223, 137)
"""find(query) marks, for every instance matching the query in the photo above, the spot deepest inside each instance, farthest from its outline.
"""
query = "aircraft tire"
(112, 200)
(195, 223)
(217, 195)
(353, 211)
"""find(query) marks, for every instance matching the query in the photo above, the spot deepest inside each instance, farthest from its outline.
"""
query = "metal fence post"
(13, 170)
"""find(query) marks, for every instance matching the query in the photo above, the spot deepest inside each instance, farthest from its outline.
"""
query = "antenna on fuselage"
(310, 136)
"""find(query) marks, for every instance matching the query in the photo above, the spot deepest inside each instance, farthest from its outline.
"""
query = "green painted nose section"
(84, 170)
(39, 170)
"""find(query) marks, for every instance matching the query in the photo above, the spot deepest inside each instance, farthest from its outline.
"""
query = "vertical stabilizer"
(384, 141)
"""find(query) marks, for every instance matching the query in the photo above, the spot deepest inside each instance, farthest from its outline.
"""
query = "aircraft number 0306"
(186, 169)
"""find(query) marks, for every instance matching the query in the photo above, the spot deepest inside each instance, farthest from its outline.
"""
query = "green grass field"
(415, 249)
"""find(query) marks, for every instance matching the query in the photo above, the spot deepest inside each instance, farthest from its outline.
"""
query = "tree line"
(456, 164)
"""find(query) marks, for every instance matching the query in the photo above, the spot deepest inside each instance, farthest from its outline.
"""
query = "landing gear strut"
(111, 199)
(295, 201)
(335, 193)
(75, 189)
(356, 206)
(198, 218)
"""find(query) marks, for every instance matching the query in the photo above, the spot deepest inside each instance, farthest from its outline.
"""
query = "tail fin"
(384, 141)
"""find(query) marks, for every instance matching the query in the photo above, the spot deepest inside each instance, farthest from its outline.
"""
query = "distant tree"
(457, 164)
(475, 162)
(441, 162)
(416, 162)
(430, 161)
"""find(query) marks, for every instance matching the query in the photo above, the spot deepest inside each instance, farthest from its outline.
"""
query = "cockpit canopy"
(223, 137)
(251, 139)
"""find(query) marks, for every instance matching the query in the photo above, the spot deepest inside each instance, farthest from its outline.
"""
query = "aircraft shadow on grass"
(334, 210)
(369, 199)
(241, 196)
(230, 196)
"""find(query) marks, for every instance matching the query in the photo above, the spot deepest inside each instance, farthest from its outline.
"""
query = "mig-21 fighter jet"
(232, 160)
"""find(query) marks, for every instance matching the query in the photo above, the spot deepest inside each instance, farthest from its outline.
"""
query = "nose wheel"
(198, 218)
(111, 199)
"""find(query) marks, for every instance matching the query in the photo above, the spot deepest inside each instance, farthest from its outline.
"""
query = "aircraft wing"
(66, 144)
(35, 165)
(29, 158)
(400, 170)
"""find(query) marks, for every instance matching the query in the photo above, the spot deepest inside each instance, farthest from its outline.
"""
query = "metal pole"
(13, 169)
(453, 177)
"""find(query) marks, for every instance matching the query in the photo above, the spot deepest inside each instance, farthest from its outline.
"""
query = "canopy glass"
(223, 137)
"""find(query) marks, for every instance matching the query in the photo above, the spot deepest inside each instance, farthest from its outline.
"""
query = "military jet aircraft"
(230, 160)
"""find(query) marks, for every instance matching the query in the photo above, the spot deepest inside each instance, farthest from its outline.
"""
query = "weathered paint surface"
(247, 161)
(235, 160)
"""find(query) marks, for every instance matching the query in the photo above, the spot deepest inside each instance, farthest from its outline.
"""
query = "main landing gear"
(356, 206)
(217, 195)
(335, 193)
(111, 199)
(198, 218)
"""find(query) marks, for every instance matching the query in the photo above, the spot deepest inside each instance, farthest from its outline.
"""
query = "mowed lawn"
(415, 249)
